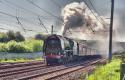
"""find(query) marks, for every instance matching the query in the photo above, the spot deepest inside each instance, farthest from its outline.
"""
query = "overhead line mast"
(111, 30)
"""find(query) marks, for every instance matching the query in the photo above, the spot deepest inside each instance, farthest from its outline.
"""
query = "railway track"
(8, 69)
(19, 64)
(40, 71)
(19, 70)
(53, 75)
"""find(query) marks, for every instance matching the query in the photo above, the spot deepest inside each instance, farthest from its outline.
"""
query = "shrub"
(37, 46)
(34, 45)
(22, 47)
(17, 47)
(13, 46)
(3, 47)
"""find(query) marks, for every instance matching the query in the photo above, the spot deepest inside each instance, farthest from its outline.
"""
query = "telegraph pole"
(111, 30)
(52, 29)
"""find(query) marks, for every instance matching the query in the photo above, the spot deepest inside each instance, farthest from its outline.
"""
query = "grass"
(18, 60)
(110, 71)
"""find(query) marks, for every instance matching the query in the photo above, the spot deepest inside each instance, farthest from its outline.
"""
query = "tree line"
(18, 37)
(11, 35)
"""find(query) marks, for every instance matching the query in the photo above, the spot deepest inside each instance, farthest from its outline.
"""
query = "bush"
(37, 46)
(13, 46)
(3, 47)
(22, 47)
(34, 45)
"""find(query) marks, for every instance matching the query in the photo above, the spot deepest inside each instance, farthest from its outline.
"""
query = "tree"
(15, 36)
(40, 37)
(11, 35)
(3, 37)
(19, 37)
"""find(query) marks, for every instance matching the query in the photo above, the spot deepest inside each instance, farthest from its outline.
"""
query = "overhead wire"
(17, 18)
(57, 4)
(31, 2)
(17, 26)
(90, 1)
(92, 11)
(18, 21)
(43, 10)
(93, 14)
(29, 11)
(94, 8)
(31, 30)
(41, 23)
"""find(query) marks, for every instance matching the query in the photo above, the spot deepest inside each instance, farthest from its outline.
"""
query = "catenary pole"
(111, 30)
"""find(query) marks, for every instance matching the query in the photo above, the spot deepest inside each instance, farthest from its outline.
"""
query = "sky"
(18, 14)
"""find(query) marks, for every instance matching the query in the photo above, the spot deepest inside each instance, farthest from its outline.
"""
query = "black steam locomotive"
(58, 49)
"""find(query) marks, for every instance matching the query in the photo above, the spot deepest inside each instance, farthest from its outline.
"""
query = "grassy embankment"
(110, 71)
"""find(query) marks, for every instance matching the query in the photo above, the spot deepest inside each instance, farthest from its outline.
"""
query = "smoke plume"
(79, 19)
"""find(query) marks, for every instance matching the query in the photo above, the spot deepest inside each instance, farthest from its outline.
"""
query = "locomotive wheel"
(47, 64)
(67, 60)
(62, 61)
(71, 58)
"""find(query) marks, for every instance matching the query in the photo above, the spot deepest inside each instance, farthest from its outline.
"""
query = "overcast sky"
(48, 11)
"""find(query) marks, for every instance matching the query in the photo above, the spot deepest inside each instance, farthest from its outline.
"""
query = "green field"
(110, 71)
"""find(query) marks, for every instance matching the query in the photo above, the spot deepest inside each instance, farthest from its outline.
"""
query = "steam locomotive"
(60, 50)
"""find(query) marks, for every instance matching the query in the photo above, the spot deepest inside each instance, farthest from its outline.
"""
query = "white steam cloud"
(80, 20)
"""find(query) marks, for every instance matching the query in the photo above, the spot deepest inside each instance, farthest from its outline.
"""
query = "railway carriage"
(60, 50)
